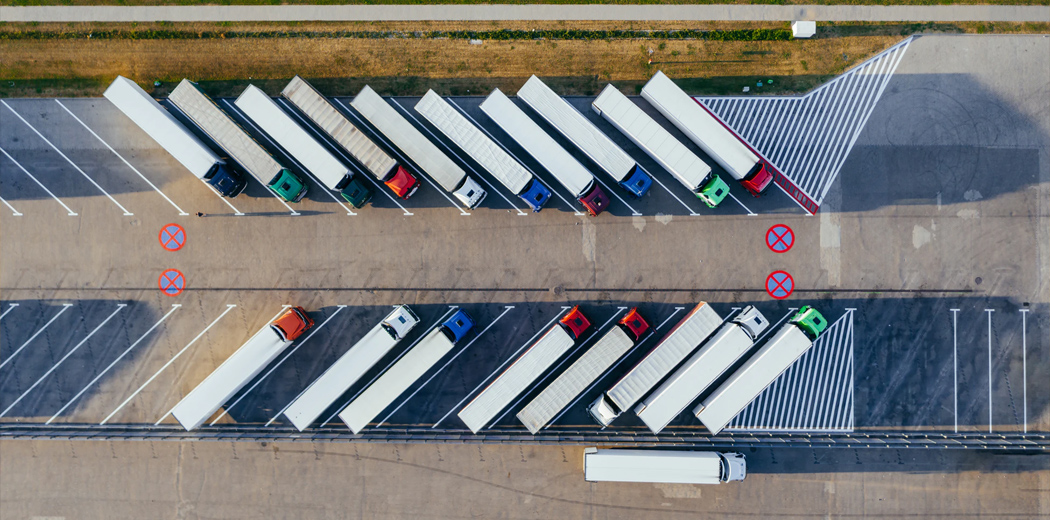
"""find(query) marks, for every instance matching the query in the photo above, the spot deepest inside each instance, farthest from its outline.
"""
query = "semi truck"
(483, 150)
(688, 334)
(662, 466)
(339, 377)
(701, 370)
(761, 369)
(317, 160)
(226, 133)
(418, 148)
(396, 380)
(171, 135)
(574, 380)
(240, 368)
(330, 120)
(563, 166)
(659, 144)
(584, 135)
(709, 133)
(526, 369)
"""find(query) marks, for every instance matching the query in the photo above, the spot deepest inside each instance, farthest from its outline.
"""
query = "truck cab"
(603, 411)
(810, 321)
(399, 322)
(356, 192)
(637, 182)
(634, 324)
(470, 193)
(734, 467)
(713, 191)
(402, 183)
(458, 325)
(758, 180)
(288, 185)
(595, 200)
(575, 322)
(751, 321)
(227, 181)
(292, 324)
(535, 195)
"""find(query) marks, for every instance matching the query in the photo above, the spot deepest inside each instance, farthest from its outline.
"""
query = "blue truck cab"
(535, 195)
(637, 182)
(227, 181)
(457, 326)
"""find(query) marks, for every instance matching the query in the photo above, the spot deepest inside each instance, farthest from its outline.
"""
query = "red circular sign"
(172, 237)
(780, 238)
(780, 284)
(171, 282)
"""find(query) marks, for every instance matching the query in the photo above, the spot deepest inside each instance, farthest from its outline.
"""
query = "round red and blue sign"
(780, 238)
(780, 284)
(171, 282)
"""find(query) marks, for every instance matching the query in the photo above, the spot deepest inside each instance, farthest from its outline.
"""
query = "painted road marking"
(1024, 365)
(121, 157)
(171, 282)
(10, 307)
(229, 307)
(989, 311)
(780, 284)
(71, 163)
(120, 306)
(12, 208)
(692, 212)
(780, 238)
(955, 362)
(174, 307)
(70, 212)
(65, 307)
(747, 209)
(172, 237)
(269, 189)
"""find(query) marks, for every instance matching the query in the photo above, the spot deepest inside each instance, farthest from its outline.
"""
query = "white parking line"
(610, 191)
(1024, 365)
(505, 149)
(955, 362)
(37, 132)
(440, 143)
(12, 208)
(269, 189)
(499, 368)
(121, 157)
(439, 321)
(277, 364)
(989, 311)
(11, 307)
(174, 308)
(229, 307)
(38, 183)
(506, 309)
(749, 212)
(65, 307)
(692, 213)
(120, 306)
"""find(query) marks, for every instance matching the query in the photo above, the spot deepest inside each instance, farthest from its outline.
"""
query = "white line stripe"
(824, 394)
(776, 113)
(692, 212)
(812, 116)
(126, 212)
(174, 308)
(38, 183)
(753, 125)
(847, 377)
(778, 140)
(834, 132)
(121, 157)
(955, 363)
(748, 120)
(65, 306)
(820, 132)
(791, 138)
(989, 311)
(120, 306)
(15, 212)
(11, 307)
(1024, 365)
(269, 189)
(832, 396)
(229, 307)
(749, 212)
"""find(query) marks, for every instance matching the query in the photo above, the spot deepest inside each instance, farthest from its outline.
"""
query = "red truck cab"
(634, 324)
(575, 322)
(758, 180)
(292, 324)
(402, 183)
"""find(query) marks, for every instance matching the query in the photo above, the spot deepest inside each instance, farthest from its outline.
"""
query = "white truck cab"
(399, 322)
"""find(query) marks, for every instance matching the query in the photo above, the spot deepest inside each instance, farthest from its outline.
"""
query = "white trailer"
(592, 142)
(659, 144)
(760, 370)
(483, 150)
(665, 356)
(702, 369)
(335, 381)
(664, 467)
(418, 148)
(169, 133)
(563, 166)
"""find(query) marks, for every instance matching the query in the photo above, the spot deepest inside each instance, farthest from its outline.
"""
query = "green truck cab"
(810, 321)
(714, 191)
(288, 185)
(357, 193)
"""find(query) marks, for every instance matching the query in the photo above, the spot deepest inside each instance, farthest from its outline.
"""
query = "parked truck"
(761, 369)
(563, 166)
(701, 370)
(709, 133)
(339, 377)
(585, 370)
(526, 369)
(317, 160)
(662, 466)
(169, 133)
(483, 150)
(412, 365)
(660, 361)
(656, 141)
(334, 123)
(418, 148)
(240, 368)
(592, 142)
(226, 133)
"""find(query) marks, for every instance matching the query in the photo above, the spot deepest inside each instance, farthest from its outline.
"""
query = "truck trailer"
(376, 161)
(418, 148)
(592, 142)
(574, 380)
(660, 361)
(662, 466)
(656, 141)
(526, 369)
(709, 133)
(412, 365)
(240, 368)
(226, 133)
(563, 166)
(761, 369)
(171, 135)
(483, 150)
(339, 377)
(701, 370)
